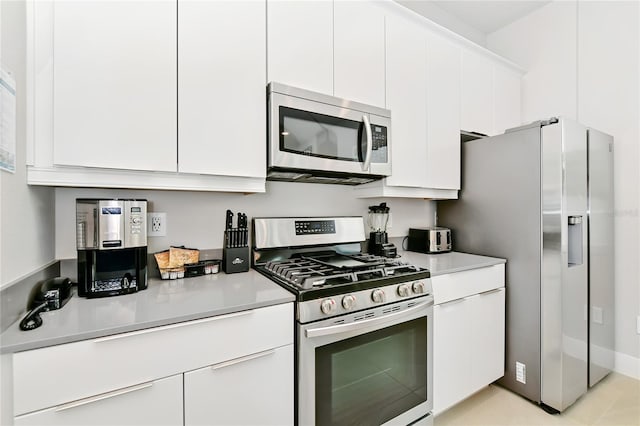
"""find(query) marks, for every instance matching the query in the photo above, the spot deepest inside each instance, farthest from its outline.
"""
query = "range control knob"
(327, 306)
(348, 302)
(404, 290)
(378, 296)
(418, 287)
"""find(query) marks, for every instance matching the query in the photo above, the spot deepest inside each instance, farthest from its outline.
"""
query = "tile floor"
(615, 401)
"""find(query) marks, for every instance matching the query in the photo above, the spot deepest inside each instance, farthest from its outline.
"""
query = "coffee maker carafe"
(378, 239)
(111, 241)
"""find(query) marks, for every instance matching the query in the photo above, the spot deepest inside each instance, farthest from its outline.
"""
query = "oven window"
(372, 378)
(320, 135)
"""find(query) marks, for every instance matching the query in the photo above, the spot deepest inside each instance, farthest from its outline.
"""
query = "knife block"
(235, 259)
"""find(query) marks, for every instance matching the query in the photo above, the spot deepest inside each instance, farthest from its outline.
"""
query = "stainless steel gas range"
(363, 323)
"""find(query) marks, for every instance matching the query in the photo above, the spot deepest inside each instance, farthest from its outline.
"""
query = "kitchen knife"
(228, 226)
(242, 224)
(239, 242)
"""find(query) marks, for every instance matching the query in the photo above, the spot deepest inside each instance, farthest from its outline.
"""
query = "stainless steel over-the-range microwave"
(323, 139)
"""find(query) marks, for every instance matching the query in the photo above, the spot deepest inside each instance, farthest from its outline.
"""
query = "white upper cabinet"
(221, 86)
(406, 70)
(122, 100)
(476, 93)
(507, 106)
(443, 113)
(114, 87)
(300, 44)
(359, 52)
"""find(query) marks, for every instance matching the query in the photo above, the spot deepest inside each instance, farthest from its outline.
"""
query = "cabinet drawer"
(153, 403)
(58, 374)
(263, 380)
(462, 284)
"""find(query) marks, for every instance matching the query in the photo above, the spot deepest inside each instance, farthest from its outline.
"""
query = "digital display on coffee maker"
(111, 210)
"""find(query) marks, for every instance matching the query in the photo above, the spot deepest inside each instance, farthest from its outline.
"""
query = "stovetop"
(316, 275)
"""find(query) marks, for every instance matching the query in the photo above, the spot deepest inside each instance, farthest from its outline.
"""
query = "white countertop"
(162, 303)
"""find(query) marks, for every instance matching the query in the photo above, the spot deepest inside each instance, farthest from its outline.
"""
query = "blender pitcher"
(378, 241)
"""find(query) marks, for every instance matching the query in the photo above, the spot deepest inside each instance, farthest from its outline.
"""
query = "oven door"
(309, 135)
(373, 371)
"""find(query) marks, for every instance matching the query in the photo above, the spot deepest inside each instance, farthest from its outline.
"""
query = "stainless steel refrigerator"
(541, 196)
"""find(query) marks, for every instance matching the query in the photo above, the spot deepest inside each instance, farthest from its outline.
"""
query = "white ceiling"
(485, 16)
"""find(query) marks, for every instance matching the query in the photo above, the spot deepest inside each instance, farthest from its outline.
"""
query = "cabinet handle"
(495, 290)
(169, 327)
(242, 359)
(102, 396)
(452, 302)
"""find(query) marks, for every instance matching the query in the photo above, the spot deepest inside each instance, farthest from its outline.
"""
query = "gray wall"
(196, 219)
(26, 213)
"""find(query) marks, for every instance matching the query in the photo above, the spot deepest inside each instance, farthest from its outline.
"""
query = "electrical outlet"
(521, 372)
(156, 224)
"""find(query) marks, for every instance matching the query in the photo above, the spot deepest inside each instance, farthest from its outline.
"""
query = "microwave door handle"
(367, 157)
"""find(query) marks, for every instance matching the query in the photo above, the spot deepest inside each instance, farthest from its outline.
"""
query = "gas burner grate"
(307, 272)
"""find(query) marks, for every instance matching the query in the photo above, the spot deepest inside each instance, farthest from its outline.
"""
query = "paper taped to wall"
(7, 121)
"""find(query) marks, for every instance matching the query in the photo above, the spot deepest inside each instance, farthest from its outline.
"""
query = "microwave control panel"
(379, 144)
(378, 136)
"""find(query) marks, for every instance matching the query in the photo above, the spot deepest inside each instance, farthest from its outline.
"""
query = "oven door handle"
(343, 328)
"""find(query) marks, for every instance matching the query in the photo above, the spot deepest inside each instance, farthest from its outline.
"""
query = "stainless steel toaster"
(429, 240)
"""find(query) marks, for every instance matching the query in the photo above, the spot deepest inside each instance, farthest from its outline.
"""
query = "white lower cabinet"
(218, 394)
(487, 340)
(158, 402)
(468, 338)
(451, 360)
(228, 369)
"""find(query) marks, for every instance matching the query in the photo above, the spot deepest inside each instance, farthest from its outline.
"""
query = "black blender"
(378, 240)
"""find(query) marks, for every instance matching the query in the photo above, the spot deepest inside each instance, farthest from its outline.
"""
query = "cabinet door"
(477, 93)
(443, 113)
(451, 353)
(506, 99)
(406, 88)
(114, 83)
(300, 44)
(359, 51)
(153, 403)
(221, 106)
(253, 390)
(487, 339)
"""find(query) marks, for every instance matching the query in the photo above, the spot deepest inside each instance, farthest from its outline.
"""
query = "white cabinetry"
(107, 378)
(407, 99)
(114, 85)
(300, 44)
(476, 113)
(468, 333)
(487, 341)
(221, 86)
(507, 106)
(423, 94)
(443, 114)
(490, 95)
(359, 52)
(107, 94)
(217, 394)
(158, 402)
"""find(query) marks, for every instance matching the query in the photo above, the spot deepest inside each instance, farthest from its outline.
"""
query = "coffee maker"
(378, 239)
(111, 240)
